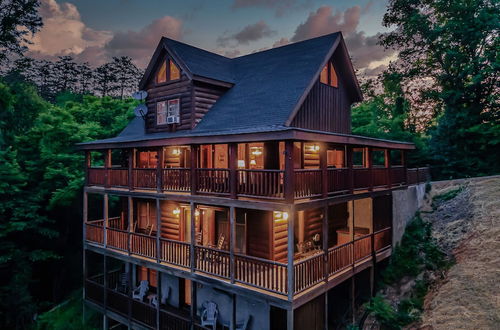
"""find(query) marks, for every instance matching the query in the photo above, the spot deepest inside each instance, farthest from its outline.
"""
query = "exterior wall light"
(176, 211)
(176, 151)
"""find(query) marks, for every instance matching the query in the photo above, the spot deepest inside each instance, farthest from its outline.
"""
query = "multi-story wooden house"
(241, 194)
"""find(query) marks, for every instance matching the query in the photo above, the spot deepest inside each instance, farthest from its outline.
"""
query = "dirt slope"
(468, 226)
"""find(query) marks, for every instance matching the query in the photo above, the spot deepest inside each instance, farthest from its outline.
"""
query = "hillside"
(465, 216)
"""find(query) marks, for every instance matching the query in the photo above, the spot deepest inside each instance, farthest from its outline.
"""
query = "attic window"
(328, 75)
(164, 75)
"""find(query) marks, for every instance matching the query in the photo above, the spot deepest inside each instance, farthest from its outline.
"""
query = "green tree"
(452, 48)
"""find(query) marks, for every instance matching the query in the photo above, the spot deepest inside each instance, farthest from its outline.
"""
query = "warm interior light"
(176, 151)
(314, 148)
(256, 151)
(241, 163)
(176, 211)
(197, 213)
(280, 216)
(253, 162)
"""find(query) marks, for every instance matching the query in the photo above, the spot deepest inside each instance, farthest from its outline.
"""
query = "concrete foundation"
(405, 203)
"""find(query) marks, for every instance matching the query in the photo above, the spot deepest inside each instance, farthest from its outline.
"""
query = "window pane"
(358, 157)
(173, 107)
(323, 78)
(174, 71)
(161, 75)
(378, 157)
(333, 76)
(161, 113)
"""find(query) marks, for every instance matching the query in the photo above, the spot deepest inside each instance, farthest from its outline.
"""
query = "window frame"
(167, 104)
(166, 61)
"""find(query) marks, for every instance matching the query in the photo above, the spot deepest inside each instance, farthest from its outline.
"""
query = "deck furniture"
(244, 325)
(165, 294)
(141, 290)
(209, 315)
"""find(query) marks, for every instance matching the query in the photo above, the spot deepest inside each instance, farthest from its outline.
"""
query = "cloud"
(281, 42)
(140, 45)
(280, 6)
(249, 33)
(64, 33)
(363, 49)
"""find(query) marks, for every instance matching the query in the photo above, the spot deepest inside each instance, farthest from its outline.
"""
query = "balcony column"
(159, 170)
(131, 157)
(233, 166)
(369, 160)
(289, 172)
(349, 154)
(130, 221)
(232, 241)
(88, 164)
(193, 238)
(158, 298)
(323, 163)
(107, 166)
(158, 226)
(290, 252)
(194, 164)
(325, 241)
(387, 158)
(106, 218)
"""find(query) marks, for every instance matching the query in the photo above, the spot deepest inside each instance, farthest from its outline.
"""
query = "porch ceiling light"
(176, 211)
(197, 213)
(314, 148)
(176, 151)
(280, 216)
(256, 151)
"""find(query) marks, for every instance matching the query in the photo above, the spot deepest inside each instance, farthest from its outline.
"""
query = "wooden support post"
(232, 241)
(107, 166)
(193, 238)
(158, 230)
(130, 221)
(289, 319)
(387, 158)
(372, 280)
(325, 241)
(129, 269)
(131, 166)
(105, 283)
(353, 299)
(84, 234)
(290, 252)
(158, 299)
(232, 322)
(88, 165)
(323, 163)
(289, 172)
(403, 162)
(105, 212)
(193, 304)
(233, 166)
(369, 159)
(194, 165)
(326, 311)
(349, 157)
(159, 170)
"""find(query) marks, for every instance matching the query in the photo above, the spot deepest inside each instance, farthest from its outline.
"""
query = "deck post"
(403, 162)
(158, 299)
(192, 310)
(387, 158)
(232, 322)
(107, 166)
(325, 241)
(105, 284)
(326, 311)
(369, 159)
(130, 221)
(84, 234)
(232, 241)
(289, 318)
(158, 226)
(289, 172)
(352, 299)
(106, 217)
(131, 153)
(349, 157)
(290, 252)
(194, 165)
(323, 163)
(193, 238)
(88, 164)
(159, 170)
(233, 165)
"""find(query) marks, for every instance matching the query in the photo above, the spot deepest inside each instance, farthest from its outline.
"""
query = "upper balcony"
(272, 170)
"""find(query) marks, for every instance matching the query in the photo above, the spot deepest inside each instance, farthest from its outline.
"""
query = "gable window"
(161, 113)
(168, 71)
(328, 75)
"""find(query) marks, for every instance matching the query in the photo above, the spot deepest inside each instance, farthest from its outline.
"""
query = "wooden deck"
(247, 271)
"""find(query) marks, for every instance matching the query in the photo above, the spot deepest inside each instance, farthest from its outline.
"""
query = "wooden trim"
(213, 81)
(232, 241)
(323, 163)
(233, 166)
(290, 253)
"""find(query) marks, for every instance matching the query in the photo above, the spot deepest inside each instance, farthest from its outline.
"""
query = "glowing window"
(161, 75)
(161, 113)
(323, 78)
(328, 75)
(175, 73)
(333, 76)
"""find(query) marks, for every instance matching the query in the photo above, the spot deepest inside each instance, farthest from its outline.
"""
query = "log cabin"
(241, 194)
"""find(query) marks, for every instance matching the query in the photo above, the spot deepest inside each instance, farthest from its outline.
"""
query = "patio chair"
(244, 325)
(141, 290)
(209, 315)
(165, 293)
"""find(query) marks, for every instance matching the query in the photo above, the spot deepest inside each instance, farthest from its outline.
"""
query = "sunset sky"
(95, 30)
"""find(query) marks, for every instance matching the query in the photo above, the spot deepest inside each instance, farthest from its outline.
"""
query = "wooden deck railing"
(174, 252)
(94, 232)
(309, 271)
(144, 178)
(212, 180)
(262, 183)
(308, 183)
(261, 273)
(176, 179)
(256, 272)
(212, 261)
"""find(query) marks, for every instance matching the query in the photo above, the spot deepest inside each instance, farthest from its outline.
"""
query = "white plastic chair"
(141, 290)
(209, 315)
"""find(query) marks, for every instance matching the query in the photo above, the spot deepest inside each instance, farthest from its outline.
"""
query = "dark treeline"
(117, 78)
